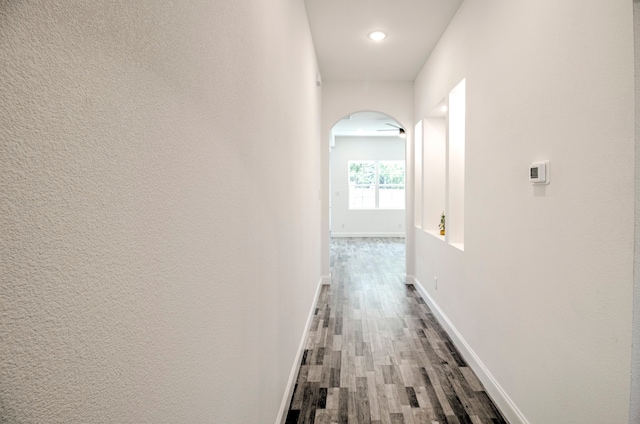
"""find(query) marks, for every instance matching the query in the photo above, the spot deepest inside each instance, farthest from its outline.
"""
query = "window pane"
(362, 197)
(362, 172)
(391, 172)
(391, 197)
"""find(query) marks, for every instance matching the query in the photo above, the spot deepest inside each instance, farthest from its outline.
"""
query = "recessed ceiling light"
(377, 36)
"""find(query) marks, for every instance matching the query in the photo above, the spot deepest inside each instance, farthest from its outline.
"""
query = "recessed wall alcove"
(440, 168)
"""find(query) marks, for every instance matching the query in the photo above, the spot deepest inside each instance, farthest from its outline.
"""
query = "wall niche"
(441, 159)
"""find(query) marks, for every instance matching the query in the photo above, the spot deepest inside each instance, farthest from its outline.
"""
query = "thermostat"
(539, 172)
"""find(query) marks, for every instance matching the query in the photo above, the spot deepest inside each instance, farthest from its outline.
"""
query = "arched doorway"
(341, 99)
(367, 177)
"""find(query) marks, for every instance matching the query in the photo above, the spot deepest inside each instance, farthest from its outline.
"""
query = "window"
(376, 184)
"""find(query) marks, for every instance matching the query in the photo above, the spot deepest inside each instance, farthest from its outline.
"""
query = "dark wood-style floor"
(375, 353)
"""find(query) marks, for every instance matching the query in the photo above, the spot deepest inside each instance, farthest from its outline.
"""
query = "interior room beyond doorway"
(367, 176)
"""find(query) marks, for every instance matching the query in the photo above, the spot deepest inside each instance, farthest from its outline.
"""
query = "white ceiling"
(340, 27)
(366, 124)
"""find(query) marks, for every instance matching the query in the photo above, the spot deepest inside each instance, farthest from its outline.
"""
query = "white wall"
(341, 98)
(362, 223)
(434, 177)
(634, 414)
(542, 294)
(158, 208)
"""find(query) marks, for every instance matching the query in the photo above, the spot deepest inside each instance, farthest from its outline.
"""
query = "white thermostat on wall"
(539, 172)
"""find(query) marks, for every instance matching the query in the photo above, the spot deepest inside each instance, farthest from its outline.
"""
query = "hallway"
(376, 354)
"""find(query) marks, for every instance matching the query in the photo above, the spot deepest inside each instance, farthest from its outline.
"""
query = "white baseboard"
(493, 388)
(325, 279)
(284, 406)
(334, 234)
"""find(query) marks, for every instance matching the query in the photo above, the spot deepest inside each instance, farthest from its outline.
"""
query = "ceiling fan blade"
(392, 125)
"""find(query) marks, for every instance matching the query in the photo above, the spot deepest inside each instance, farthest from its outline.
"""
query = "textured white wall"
(158, 208)
(634, 410)
(362, 222)
(341, 98)
(543, 291)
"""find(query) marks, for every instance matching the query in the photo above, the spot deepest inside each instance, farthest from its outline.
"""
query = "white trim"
(376, 209)
(284, 406)
(493, 388)
(334, 234)
(325, 279)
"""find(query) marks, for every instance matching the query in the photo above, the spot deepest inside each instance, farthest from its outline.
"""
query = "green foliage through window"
(362, 173)
(376, 184)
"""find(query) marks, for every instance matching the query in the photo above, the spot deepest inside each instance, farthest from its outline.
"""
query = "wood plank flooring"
(375, 353)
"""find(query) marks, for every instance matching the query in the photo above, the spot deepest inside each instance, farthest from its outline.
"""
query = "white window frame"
(376, 184)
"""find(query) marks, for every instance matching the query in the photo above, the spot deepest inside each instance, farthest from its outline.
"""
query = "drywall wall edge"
(634, 399)
(284, 406)
(493, 388)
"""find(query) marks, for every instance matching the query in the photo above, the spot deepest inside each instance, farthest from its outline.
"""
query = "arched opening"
(367, 177)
